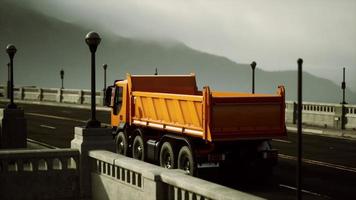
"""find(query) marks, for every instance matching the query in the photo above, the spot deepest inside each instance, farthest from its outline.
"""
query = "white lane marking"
(305, 191)
(61, 118)
(55, 117)
(49, 127)
(284, 141)
(305, 130)
(324, 164)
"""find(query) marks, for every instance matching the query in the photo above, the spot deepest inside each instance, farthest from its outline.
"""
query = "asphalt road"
(329, 167)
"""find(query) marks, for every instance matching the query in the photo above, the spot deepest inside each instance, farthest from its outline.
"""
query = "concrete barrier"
(115, 176)
(2, 91)
(39, 174)
(322, 114)
(74, 96)
(351, 117)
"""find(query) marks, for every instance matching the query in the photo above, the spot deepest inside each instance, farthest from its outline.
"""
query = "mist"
(273, 33)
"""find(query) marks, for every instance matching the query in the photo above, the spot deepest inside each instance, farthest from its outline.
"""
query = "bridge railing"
(39, 174)
(75, 96)
(317, 114)
(114, 176)
(2, 91)
(322, 114)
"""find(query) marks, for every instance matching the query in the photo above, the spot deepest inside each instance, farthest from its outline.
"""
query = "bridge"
(57, 164)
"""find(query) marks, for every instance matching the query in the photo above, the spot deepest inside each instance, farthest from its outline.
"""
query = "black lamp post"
(93, 40)
(62, 77)
(8, 80)
(11, 50)
(299, 126)
(105, 66)
(343, 86)
(253, 66)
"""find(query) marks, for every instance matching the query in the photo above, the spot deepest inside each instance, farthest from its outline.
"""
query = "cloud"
(274, 33)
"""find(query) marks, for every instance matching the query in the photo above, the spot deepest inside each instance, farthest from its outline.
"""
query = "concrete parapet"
(50, 94)
(39, 174)
(31, 94)
(350, 117)
(59, 95)
(323, 114)
(17, 93)
(118, 177)
(70, 96)
(182, 186)
(74, 96)
(3, 91)
(86, 139)
(13, 128)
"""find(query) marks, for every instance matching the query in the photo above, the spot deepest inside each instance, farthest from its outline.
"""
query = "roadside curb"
(40, 144)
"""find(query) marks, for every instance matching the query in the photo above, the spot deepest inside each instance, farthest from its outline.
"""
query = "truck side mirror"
(109, 96)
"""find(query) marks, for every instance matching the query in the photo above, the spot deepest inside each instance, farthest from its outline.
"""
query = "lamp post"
(105, 66)
(62, 77)
(299, 126)
(253, 66)
(343, 87)
(8, 80)
(11, 50)
(93, 40)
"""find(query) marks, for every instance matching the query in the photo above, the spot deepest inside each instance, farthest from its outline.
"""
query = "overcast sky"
(274, 33)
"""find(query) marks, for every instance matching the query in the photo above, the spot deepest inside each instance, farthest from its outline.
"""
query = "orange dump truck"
(166, 119)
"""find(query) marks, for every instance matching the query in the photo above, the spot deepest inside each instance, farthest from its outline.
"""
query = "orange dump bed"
(208, 115)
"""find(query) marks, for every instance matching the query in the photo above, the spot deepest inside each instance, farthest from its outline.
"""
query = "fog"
(273, 33)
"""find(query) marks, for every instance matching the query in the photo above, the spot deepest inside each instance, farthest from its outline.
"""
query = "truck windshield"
(118, 98)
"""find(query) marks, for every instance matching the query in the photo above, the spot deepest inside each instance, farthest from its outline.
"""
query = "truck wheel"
(138, 149)
(166, 156)
(186, 160)
(121, 143)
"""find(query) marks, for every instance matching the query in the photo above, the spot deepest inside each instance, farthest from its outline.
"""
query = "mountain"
(46, 45)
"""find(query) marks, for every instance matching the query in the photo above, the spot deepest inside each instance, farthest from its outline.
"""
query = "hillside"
(46, 45)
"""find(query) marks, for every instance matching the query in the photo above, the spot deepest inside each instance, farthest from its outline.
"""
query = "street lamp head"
(93, 40)
(105, 66)
(11, 50)
(300, 61)
(62, 73)
(253, 65)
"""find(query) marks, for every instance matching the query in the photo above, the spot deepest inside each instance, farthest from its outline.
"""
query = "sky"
(274, 33)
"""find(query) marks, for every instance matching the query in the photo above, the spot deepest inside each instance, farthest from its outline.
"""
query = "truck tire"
(186, 160)
(138, 148)
(166, 156)
(121, 143)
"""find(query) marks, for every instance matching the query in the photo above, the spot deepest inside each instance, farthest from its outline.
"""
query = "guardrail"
(39, 174)
(115, 176)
